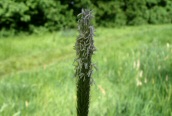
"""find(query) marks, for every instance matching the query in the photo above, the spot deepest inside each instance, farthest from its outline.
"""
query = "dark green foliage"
(147, 12)
(84, 50)
(51, 15)
(159, 15)
(27, 14)
(136, 12)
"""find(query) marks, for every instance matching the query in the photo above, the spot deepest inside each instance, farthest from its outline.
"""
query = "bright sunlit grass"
(134, 73)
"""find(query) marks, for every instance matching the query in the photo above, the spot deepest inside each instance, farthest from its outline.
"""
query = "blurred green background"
(52, 15)
(134, 57)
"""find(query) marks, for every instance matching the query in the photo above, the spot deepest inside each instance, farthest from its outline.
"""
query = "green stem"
(83, 95)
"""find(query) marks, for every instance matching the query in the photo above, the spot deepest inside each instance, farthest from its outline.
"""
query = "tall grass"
(147, 72)
(133, 79)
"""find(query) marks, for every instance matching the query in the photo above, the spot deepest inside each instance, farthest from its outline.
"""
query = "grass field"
(134, 76)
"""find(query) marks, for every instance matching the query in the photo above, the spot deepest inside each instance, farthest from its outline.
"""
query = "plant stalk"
(84, 50)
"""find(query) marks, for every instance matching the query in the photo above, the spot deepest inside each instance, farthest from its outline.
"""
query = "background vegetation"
(133, 77)
(51, 15)
(134, 62)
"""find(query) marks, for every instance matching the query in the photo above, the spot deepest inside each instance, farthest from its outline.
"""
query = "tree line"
(52, 15)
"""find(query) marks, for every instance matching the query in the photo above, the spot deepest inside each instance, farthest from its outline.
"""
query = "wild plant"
(85, 48)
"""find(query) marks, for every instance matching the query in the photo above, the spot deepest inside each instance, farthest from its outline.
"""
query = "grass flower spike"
(84, 50)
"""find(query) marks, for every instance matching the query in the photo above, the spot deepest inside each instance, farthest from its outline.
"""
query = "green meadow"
(134, 75)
